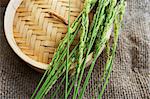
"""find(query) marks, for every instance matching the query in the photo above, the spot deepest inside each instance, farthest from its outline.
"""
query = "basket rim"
(8, 28)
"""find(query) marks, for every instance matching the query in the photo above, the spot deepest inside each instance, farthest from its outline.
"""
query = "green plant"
(94, 37)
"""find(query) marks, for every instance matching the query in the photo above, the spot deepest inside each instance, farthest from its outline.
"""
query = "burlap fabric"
(4, 2)
(130, 78)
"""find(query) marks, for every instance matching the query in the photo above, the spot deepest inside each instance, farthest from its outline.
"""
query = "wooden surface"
(4, 2)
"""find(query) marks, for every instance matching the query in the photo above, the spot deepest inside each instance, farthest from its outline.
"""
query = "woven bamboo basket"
(34, 28)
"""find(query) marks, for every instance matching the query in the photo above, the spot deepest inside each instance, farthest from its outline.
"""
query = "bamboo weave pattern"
(39, 25)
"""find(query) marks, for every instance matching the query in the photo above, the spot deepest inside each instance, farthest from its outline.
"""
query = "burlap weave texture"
(130, 78)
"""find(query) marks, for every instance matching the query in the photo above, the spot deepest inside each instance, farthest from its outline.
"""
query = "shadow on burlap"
(130, 78)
